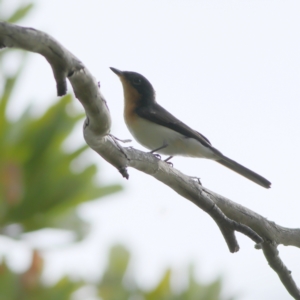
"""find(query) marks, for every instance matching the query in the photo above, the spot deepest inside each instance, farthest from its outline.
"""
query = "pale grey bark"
(229, 216)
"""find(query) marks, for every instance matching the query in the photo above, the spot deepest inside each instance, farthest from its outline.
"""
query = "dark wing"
(157, 114)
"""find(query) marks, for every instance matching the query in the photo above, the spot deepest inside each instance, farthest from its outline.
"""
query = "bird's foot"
(157, 155)
(159, 148)
(168, 162)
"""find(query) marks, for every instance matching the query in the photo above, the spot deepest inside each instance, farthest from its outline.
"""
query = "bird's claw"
(169, 163)
(157, 155)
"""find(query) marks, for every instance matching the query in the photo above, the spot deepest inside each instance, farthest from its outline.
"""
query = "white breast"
(153, 136)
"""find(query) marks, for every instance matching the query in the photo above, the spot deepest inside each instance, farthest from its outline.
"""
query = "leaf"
(8, 87)
(69, 220)
(111, 286)
(163, 289)
(20, 13)
(8, 282)
(50, 190)
(200, 291)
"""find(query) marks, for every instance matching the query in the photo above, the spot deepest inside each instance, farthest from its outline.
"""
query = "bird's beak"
(116, 71)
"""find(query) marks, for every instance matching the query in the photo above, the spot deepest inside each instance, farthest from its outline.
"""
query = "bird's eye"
(137, 81)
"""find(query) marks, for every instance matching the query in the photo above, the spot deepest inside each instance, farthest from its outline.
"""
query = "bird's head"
(136, 87)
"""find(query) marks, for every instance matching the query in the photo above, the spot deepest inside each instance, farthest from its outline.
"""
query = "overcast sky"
(229, 69)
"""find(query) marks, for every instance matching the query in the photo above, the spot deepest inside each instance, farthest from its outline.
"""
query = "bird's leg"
(159, 148)
(167, 159)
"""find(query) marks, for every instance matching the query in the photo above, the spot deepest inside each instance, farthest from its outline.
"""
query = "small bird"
(159, 131)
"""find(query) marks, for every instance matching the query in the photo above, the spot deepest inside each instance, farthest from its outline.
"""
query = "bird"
(159, 131)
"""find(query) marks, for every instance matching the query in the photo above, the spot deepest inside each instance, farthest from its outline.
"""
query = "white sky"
(231, 70)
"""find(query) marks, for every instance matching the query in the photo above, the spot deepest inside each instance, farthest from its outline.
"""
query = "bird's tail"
(236, 167)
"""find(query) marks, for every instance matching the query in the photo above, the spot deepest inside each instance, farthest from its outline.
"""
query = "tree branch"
(228, 215)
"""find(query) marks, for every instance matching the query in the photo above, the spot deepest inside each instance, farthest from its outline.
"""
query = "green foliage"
(38, 181)
(163, 290)
(29, 285)
(20, 13)
(199, 291)
(17, 15)
(115, 284)
(38, 189)
(111, 286)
